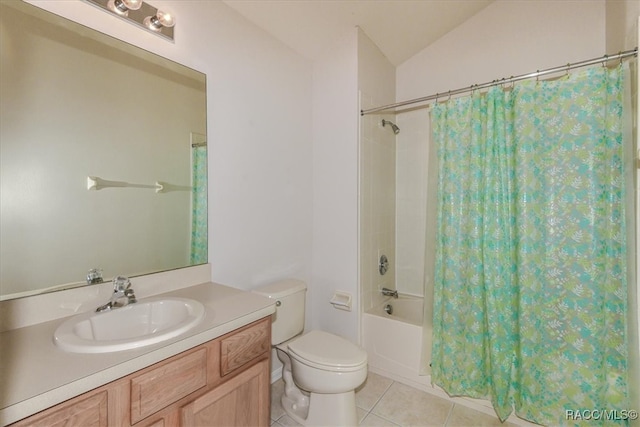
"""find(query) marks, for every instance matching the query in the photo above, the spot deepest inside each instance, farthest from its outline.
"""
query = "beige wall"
(622, 24)
(335, 187)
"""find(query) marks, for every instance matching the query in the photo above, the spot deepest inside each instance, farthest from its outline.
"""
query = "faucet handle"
(94, 276)
(121, 283)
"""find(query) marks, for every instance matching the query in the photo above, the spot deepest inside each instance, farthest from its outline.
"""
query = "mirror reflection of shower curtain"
(199, 250)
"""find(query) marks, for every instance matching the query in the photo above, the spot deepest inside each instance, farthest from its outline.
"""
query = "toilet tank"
(288, 320)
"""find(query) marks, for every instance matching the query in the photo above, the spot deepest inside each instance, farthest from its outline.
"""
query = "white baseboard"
(276, 374)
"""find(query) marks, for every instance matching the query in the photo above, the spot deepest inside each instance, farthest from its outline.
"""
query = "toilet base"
(324, 410)
(320, 409)
(296, 411)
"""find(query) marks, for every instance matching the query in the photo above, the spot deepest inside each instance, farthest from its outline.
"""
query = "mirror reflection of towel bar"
(165, 187)
(97, 183)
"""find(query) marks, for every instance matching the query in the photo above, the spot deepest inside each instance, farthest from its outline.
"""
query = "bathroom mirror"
(102, 156)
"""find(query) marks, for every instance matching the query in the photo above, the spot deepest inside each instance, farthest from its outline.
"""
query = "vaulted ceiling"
(400, 28)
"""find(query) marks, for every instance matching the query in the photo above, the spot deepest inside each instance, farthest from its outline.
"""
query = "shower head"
(396, 129)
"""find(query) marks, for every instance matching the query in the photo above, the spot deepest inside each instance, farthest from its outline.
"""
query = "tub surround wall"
(411, 202)
(377, 161)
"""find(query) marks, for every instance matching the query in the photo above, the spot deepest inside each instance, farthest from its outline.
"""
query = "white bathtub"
(394, 342)
(394, 346)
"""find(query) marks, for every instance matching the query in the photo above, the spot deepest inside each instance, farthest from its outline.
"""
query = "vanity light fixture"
(140, 13)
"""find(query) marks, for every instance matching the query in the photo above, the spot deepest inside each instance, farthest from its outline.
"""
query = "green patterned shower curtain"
(199, 250)
(530, 277)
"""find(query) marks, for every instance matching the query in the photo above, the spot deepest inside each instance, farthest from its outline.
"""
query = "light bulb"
(159, 20)
(122, 7)
(166, 19)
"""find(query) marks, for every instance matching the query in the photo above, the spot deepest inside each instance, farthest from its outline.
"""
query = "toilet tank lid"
(281, 288)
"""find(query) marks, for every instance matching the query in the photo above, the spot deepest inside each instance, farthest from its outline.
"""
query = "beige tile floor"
(384, 402)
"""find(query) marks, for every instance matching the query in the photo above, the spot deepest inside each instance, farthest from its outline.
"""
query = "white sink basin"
(137, 325)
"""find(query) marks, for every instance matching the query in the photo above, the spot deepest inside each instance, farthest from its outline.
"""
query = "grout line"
(380, 398)
(386, 419)
(370, 411)
(364, 418)
(446, 422)
(378, 401)
(384, 393)
(365, 415)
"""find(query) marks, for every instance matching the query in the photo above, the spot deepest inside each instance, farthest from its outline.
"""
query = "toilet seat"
(322, 350)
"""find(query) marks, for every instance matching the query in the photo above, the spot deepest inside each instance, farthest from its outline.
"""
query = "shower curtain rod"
(603, 60)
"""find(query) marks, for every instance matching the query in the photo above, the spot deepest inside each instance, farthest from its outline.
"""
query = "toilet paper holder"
(341, 300)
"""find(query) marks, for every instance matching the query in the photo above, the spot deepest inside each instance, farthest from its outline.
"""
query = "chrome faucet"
(122, 295)
(389, 292)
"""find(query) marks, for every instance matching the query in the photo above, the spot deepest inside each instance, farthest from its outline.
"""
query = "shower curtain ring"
(449, 99)
(604, 61)
(437, 94)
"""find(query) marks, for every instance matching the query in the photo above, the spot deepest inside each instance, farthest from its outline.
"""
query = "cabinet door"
(84, 412)
(241, 401)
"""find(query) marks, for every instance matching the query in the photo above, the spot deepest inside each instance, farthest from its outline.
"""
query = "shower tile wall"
(377, 204)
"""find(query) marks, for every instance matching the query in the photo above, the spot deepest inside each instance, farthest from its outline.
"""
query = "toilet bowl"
(323, 371)
(320, 370)
(326, 363)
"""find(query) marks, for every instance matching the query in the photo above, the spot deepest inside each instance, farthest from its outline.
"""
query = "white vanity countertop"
(35, 374)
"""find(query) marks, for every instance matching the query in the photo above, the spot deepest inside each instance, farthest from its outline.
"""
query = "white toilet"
(321, 371)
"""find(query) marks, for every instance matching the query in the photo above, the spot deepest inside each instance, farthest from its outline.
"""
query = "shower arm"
(394, 127)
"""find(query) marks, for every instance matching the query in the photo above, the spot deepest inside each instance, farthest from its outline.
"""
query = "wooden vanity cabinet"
(224, 382)
(237, 402)
(88, 410)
